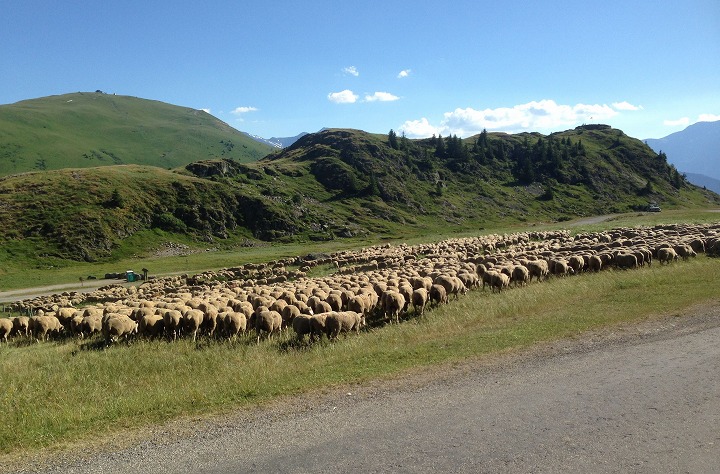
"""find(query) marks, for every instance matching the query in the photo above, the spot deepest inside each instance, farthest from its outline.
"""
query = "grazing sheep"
(684, 251)
(595, 263)
(191, 322)
(438, 295)
(561, 267)
(233, 322)
(172, 323)
(487, 277)
(90, 325)
(392, 303)
(576, 262)
(44, 326)
(358, 303)
(151, 325)
(6, 327)
(343, 321)
(268, 321)
(317, 325)
(520, 275)
(419, 300)
(301, 324)
(117, 325)
(666, 255)
(335, 301)
(499, 281)
(289, 312)
(21, 326)
(626, 260)
(538, 269)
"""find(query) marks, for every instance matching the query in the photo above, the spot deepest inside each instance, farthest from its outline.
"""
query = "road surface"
(643, 398)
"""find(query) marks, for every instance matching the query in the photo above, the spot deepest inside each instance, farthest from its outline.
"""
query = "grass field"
(61, 392)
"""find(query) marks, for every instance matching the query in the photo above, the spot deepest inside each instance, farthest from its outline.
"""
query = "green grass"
(61, 392)
(90, 129)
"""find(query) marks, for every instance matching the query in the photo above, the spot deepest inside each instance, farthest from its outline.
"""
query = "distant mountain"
(704, 181)
(693, 150)
(279, 142)
(88, 129)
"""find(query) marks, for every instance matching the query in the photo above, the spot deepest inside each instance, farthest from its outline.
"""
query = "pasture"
(69, 390)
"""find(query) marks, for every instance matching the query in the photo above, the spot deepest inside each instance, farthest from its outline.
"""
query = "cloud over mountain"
(536, 115)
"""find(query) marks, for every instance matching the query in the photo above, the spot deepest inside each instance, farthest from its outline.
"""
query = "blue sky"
(278, 68)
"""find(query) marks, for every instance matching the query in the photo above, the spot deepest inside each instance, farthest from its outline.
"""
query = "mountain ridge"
(696, 149)
(88, 129)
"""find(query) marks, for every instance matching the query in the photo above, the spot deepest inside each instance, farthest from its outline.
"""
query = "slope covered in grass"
(88, 129)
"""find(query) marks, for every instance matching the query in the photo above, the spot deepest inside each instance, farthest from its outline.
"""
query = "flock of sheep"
(373, 285)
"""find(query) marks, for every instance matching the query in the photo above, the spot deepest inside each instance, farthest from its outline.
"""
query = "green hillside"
(88, 129)
(337, 184)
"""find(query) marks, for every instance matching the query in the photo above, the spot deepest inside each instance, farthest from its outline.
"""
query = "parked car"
(654, 208)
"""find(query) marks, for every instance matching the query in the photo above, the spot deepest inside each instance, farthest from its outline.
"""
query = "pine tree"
(392, 139)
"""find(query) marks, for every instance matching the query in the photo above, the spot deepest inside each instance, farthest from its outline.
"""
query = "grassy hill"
(88, 129)
(336, 184)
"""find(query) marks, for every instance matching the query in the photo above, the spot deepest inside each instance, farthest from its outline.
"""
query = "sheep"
(595, 263)
(358, 303)
(335, 301)
(151, 325)
(560, 267)
(172, 323)
(666, 255)
(90, 325)
(499, 281)
(6, 327)
(520, 275)
(76, 325)
(21, 325)
(576, 262)
(487, 277)
(117, 325)
(392, 303)
(438, 295)
(301, 324)
(268, 321)
(191, 322)
(43, 326)
(343, 321)
(626, 260)
(317, 325)
(233, 323)
(452, 285)
(419, 300)
(538, 269)
(289, 312)
(684, 251)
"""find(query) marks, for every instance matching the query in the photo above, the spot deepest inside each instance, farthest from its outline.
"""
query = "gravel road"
(643, 398)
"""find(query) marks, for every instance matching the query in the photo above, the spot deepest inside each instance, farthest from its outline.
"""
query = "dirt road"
(644, 398)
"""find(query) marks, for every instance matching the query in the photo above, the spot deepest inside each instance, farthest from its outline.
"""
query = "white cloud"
(533, 116)
(626, 106)
(207, 111)
(343, 97)
(352, 70)
(404, 73)
(419, 128)
(677, 123)
(381, 97)
(708, 118)
(243, 110)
